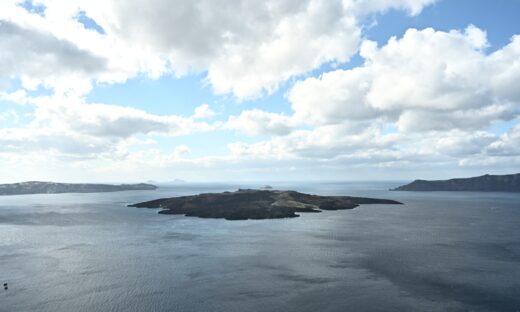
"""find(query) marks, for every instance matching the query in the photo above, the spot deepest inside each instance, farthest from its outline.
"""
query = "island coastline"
(246, 204)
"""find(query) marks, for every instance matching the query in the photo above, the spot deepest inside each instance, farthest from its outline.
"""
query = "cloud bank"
(425, 98)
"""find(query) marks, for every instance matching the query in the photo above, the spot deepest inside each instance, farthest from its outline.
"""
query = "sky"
(248, 90)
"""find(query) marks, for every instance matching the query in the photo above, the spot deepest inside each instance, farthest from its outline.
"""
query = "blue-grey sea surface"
(89, 252)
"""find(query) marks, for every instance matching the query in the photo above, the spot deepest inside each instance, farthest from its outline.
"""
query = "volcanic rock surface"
(255, 204)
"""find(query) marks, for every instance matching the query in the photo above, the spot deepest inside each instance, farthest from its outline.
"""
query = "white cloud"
(425, 99)
(427, 80)
(9, 116)
(339, 153)
(103, 120)
(28, 140)
(69, 129)
(258, 122)
(18, 97)
(203, 112)
(507, 145)
(181, 151)
(333, 98)
(326, 142)
(38, 57)
(281, 39)
(441, 96)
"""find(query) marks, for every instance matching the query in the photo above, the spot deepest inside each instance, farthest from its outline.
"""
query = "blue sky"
(287, 90)
(497, 18)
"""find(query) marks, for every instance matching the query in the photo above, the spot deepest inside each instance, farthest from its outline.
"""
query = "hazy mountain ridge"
(37, 187)
(485, 183)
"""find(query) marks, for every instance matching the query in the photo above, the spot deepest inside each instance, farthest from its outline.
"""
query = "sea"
(440, 251)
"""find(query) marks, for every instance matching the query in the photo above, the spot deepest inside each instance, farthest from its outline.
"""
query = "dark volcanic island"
(255, 204)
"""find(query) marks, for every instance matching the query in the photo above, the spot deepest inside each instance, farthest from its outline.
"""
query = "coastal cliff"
(485, 183)
(36, 187)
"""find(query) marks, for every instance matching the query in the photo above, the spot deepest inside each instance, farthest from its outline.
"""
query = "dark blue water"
(89, 252)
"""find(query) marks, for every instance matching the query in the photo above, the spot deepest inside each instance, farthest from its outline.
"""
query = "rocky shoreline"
(485, 183)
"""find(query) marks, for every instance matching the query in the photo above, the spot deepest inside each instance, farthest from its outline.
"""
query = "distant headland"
(255, 204)
(35, 187)
(485, 183)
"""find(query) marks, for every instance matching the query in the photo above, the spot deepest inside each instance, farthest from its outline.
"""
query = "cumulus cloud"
(427, 80)
(68, 128)
(281, 39)
(258, 122)
(9, 116)
(203, 112)
(324, 142)
(38, 58)
(507, 145)
(428, 97)
(181, 151)
(29, 140)
(103, 120)
(334, 148)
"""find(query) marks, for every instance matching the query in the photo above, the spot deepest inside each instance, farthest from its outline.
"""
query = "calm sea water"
(89, 252)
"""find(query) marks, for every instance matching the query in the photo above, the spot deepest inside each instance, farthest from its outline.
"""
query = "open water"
(89, 252)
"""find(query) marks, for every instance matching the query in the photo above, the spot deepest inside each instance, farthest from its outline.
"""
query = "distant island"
(255, 204)
(485, 183)
(35, 187)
